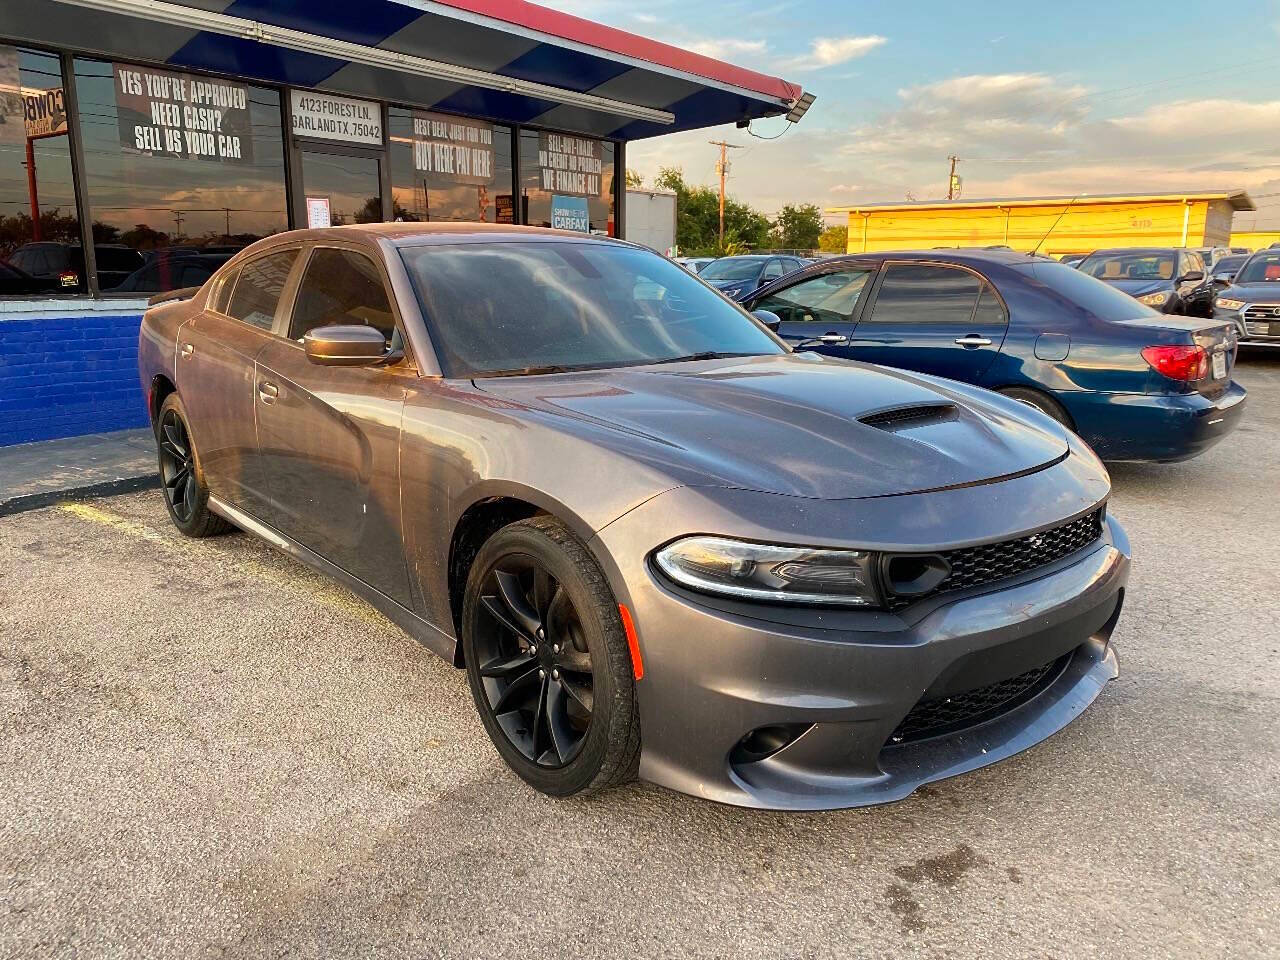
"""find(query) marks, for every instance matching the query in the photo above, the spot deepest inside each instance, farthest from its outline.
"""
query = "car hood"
(1139, 288)
(793, 424)
(1253, 292)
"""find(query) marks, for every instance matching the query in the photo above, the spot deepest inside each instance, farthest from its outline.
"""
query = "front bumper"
(845, 680)
(1161, 427)
(1256, 333)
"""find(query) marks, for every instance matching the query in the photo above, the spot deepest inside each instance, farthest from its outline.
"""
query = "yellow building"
(1254, 239)
(1056, 225)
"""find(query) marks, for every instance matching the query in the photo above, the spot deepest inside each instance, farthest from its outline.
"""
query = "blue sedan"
(1136, 384)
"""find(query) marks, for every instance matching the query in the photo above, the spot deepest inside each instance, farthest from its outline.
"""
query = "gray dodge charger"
(659, 542)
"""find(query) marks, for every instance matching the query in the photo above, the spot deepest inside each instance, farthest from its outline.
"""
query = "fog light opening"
(763, 742)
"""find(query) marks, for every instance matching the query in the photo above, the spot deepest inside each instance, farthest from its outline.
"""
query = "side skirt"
(429, 635)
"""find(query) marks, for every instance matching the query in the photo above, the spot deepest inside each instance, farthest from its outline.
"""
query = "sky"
(1035, 98)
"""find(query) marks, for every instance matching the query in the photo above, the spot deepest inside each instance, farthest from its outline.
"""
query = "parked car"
(1225, 269)
(16, 282)
(627, 512)
(1252, 301)
(1171, 279)
(694, 264)
(63, 263)
(172, 273)
(1211, 255)
(1137, 385)
(739, 277)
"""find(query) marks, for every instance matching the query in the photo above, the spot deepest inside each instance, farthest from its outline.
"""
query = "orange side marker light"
(629, 627)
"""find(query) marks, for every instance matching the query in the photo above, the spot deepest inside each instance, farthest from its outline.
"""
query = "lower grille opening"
(933, 718)
(764, 742)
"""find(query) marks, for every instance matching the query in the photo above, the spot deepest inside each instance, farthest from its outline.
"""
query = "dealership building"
(1053, 225)
(143, 142)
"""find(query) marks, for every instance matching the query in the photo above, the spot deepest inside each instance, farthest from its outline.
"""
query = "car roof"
(1116, 251)
(968, 256)
(417, 234)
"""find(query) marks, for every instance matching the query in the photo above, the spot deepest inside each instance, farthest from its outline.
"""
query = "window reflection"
(560, 175)
(163, 187)
(449, 168)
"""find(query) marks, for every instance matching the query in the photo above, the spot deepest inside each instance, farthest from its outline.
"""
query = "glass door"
(348, 187)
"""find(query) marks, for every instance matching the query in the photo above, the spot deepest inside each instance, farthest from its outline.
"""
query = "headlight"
(1226, 303)
(1154, 299)
(758, 571)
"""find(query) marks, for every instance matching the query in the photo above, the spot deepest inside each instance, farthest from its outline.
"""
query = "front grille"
(1265, 312)
(989, 562)
(932, 718)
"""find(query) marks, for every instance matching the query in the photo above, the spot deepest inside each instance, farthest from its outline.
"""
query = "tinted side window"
(925, 293)
(772, 271)
(829, 298)
(257, 294)
(341, 286)
(990, 310)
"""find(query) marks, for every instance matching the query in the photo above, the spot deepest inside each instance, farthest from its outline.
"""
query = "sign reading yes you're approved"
(177, 115)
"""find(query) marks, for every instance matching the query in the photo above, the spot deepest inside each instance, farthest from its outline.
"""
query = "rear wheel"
(1042, 402)
(185, 495)
(548, 661)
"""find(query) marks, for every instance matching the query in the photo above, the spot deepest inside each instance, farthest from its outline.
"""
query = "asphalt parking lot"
(211, 751)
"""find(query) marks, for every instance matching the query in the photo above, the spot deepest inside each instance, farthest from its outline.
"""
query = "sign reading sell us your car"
(327, 117)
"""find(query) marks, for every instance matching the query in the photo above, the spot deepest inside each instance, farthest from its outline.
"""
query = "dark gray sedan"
(658, 540)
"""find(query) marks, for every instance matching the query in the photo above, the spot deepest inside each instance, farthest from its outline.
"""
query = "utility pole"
(951, 178)
(722, 168)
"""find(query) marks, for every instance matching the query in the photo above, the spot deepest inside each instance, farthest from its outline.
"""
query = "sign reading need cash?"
(569, 164)
(178, 115)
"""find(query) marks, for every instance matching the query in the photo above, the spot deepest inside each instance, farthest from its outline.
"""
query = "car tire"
(181, 480)
(560, 704)
(1041, 401)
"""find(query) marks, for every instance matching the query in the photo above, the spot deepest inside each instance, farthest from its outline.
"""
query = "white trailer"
(650, 218)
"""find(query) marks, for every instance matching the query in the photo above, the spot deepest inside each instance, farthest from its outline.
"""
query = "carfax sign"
(570, 213)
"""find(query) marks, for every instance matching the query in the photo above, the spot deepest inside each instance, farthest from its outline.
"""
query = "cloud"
(830, 51)
(721, 48)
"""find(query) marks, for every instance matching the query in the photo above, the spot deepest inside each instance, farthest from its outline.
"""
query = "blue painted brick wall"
(65, 376)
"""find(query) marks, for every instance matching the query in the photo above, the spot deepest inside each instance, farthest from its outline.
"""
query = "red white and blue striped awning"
(505, 60)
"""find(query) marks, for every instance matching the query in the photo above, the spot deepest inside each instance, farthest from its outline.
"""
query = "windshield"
(1100, 299)
(733, 268)
(1227, 265)
(1129, 266)
(1261, 268)
(525, 307)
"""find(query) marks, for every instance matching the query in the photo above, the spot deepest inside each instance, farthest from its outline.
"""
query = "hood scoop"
(907, 417)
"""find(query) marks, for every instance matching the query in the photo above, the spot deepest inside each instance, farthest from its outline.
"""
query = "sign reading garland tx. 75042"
(177, 115)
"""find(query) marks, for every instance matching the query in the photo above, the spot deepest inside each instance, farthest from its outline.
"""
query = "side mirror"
(1192, 276)
(345, 345)
(768, 318)
(1223, 280)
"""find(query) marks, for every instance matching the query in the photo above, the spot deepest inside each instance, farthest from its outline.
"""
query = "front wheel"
(548, 661)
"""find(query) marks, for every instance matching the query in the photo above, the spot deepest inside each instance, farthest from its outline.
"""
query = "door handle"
(268, 392)
(187, 350)
(973, 340)
(833, 338)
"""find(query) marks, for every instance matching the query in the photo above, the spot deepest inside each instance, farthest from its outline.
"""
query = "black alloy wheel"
(534, 663)
(177, 466)
(185, 494)
(548, 660)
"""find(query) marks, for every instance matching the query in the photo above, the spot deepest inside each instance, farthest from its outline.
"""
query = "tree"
(634, 179)
(698, 218)
(798, 227)
(834, 239)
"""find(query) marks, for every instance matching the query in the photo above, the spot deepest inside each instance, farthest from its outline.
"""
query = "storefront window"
(449, 168)
(181, 171)
(567, 182)
(39, 228)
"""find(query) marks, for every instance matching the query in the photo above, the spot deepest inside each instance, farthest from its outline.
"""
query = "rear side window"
(773, 271)
(341, 286)
(222, 296)
(257, 294)
(925, 293)
(990, 312)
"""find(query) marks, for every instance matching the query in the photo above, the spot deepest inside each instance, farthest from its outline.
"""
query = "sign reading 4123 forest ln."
(177, 115)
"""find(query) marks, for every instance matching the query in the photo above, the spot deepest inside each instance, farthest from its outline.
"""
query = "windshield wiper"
(703, 355)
